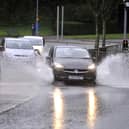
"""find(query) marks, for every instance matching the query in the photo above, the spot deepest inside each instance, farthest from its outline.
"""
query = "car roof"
(34, 37)
(31, 39)
(15, 39)
(69, 46)
(11, 38)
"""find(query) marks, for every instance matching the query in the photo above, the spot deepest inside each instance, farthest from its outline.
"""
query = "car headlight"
(58, 66)
(92, 67)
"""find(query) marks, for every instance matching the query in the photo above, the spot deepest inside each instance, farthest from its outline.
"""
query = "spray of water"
(19, 72)
(114, 71)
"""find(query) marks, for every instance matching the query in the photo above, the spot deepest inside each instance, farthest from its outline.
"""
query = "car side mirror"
(48, 58)
(37, 52)
(43, 42)
(2, 48)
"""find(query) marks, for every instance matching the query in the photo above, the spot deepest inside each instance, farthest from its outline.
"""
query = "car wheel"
(93, 80)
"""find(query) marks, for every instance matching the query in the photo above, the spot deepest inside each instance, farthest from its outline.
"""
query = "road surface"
(65, 106)
(68, 106)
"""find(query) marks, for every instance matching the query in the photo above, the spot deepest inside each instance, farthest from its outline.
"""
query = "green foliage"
(75, 28)
(22, 13)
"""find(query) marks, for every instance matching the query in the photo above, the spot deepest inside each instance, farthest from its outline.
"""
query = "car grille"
(76, 71)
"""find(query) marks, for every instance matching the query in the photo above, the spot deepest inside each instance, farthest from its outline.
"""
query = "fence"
(99, 54)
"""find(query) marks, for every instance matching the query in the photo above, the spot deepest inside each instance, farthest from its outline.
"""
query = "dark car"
(71, 63)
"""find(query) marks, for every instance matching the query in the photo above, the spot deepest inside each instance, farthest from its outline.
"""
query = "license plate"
(75, 77)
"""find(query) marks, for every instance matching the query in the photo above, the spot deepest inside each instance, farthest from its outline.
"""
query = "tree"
(96, 10)
(107, 7)
(12, 11)
(102, 10)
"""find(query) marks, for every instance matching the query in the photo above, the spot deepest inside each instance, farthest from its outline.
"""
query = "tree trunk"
(104, 33)
(97, 38)
(97, 32)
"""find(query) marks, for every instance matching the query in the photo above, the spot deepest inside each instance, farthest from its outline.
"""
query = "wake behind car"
(18, 50)
(71, 63)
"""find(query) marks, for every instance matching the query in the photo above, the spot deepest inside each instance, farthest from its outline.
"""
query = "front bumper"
(20, 60)
(74, 74)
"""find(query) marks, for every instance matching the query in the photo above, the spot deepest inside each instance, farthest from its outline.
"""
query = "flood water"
(114, 71)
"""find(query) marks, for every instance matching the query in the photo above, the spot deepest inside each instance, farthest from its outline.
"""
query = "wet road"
(62, 106)
(70, 106)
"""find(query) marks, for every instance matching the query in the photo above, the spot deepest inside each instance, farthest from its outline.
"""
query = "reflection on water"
(58, 109)
(58, 106)
(92, 109)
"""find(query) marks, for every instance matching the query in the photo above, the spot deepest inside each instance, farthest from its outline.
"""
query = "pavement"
(53, 39)
(17, 85)
(14, 94)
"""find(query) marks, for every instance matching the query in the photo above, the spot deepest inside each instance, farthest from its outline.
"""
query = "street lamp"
(126, 4)
(37, 18)
(58, 22)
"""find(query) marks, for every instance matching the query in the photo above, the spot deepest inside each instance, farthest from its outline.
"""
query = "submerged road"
(62, 106)
(67, 106)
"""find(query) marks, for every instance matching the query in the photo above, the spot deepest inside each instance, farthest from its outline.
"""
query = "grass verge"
(46, 30)
(93, 36)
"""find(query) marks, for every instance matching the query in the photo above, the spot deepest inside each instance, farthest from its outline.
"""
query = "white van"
(38, 43)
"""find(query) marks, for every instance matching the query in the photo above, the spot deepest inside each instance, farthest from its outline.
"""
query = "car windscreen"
(71, 52)
(25, 46)
(18, 45)
(36, 42)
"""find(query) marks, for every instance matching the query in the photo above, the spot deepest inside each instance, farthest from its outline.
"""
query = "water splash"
(19, 72)
(114, 71)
